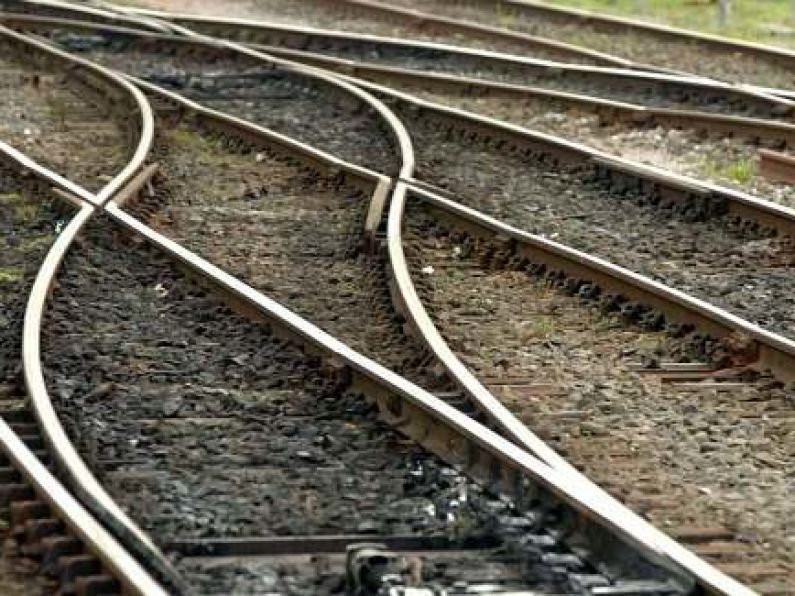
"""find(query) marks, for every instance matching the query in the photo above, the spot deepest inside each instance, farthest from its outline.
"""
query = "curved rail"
(573, 490)
(394, 125)
(81, 481)
(70, 464)
(615, 519)
(278, 39)
(415, 313)
(301, 151)
(131, 575)
(680, 187)
(749, 127)
(191, 39)
(589, 501)
(405, 298)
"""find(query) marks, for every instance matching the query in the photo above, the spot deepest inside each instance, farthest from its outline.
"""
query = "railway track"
(230, 573)
(615, 396)
(716, 147)
(710, 237)
(270, 91)
(557, 567)
(355, 54)
(712, 146)
(59, 116)
(48, 531)
(643, 43)
(358, 17)
(555, 33)
(241, 513)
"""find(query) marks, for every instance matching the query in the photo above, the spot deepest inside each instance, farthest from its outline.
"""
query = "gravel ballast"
(683, 454)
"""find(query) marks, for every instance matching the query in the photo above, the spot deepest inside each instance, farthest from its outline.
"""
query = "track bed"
(687, 448)
(692, 248)
(204, 426)
(277, 98)
(644, 47)
(29, 221)
(54, 121)
(730, 161)
(338, 17)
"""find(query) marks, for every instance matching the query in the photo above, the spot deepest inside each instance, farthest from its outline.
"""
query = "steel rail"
(411, 307)
(190, 39)
(252, 32)
(776, 352)
(399, 133)
(417, 18)
(404, 298)
(80, 480)
(677, 187)
(593, 503)
(745, 126)
(69, 462)
(667, 552)
(97, 14)
(424, 411)
(749, 127)
(89, 489)
(315, 157)
(752, 128)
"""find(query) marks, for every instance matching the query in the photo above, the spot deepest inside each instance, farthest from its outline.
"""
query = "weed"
(10, 197)
(748, 20)
(540, 328)
(10, 275)
(26, 212)
(740, 171)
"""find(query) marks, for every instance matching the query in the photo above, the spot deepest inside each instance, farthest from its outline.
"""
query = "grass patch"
(183, 136)
(26, 212)
(9, 198)
(747, 20)
(540, 328)
(10, 275)
(740, 172)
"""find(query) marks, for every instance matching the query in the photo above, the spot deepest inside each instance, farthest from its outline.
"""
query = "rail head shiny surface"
(81, 480)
